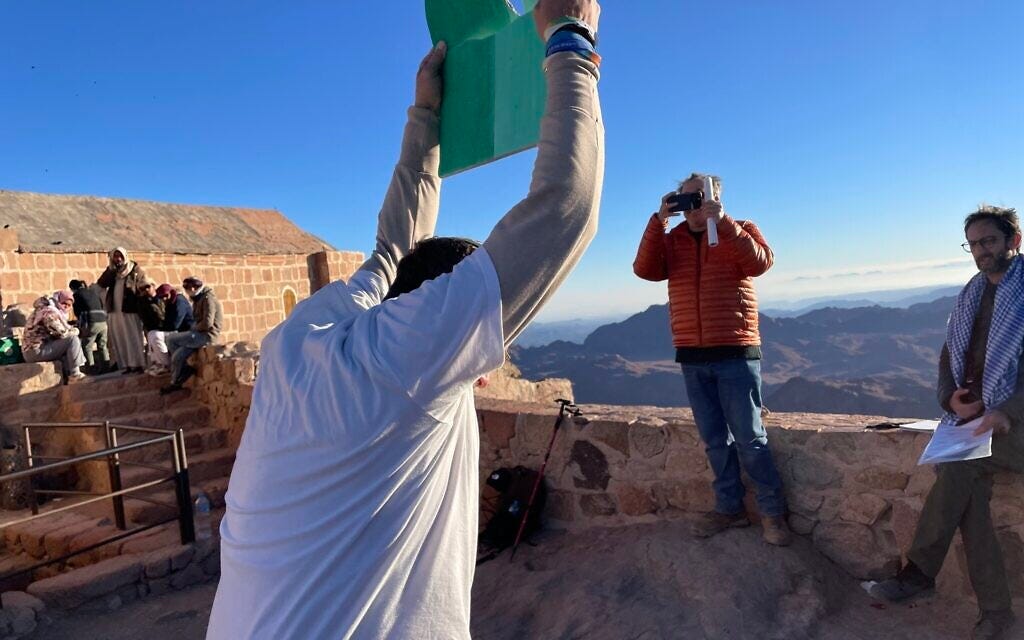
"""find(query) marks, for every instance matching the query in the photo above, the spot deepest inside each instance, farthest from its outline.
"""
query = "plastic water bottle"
(202, 517)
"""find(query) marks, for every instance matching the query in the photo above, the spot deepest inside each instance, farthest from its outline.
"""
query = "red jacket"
(710, 290)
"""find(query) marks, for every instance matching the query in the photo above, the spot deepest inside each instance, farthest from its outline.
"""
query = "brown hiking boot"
(708, 524)
(776, 531)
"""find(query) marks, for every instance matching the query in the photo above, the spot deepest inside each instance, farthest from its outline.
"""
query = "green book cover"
(494, 87)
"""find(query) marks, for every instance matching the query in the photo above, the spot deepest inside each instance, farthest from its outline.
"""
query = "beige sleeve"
(409, 212)
(537, 244)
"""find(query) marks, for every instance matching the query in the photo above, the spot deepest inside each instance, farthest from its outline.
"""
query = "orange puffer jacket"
(710, 289)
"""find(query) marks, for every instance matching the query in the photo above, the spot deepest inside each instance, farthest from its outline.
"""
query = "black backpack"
(514, 486)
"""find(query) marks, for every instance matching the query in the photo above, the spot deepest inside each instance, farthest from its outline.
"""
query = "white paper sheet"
(921, 425)
(952, 442)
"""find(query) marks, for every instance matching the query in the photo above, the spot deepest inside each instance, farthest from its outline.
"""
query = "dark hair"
(75, 285)
(192, 282)
(1005, 219)
(430, 258)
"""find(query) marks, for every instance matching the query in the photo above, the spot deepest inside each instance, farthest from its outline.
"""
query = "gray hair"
(716, 183)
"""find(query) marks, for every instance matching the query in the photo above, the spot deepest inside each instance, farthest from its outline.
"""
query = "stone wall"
(109, 584)
(507, 383)
(855, 494)
(252, 288)
(226, 375)
(29, 392)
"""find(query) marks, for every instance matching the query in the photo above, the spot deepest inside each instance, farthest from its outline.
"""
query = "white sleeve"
(445, 334)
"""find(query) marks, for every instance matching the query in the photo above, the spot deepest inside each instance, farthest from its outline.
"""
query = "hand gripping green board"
(494, 87)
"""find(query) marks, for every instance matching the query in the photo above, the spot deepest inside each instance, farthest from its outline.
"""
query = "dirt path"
(646, 582)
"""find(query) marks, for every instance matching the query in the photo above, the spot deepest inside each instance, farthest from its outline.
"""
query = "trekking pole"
(567, 408)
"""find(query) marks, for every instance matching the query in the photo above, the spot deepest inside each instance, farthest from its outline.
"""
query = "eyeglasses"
(987, 243)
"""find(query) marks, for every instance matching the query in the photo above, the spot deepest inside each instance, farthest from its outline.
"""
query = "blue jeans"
(726, 401)
(181, 345)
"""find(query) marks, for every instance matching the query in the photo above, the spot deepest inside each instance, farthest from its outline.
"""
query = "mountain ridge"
(867, 360)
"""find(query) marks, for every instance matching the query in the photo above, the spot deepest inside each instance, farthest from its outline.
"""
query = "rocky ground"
(643, 582)
(647, 582)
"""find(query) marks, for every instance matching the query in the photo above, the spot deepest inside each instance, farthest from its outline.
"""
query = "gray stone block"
(69, 590)
(159, 563)
(190, 575)
(211, 566)
(13, 599)
(23, 621)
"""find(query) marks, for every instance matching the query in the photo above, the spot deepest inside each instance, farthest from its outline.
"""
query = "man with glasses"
(981, 375)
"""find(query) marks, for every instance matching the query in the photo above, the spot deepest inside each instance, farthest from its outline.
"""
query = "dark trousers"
(960, 499)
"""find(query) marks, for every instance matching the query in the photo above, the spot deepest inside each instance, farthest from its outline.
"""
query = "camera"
(685, 201)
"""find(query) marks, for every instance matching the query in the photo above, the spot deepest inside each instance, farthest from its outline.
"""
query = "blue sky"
(857, 135)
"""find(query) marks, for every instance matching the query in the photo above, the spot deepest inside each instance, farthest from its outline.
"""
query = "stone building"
(258, 262)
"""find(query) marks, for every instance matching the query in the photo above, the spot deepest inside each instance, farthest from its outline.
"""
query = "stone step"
(185, 416)
(139, 511)
(122, 404)
(111, 385)
(197, 441)
(10, 564)
(204, 466)
(55, 536)
(148, 565)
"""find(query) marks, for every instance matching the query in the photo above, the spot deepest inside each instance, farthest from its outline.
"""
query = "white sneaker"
(157, 370)
(76, 376)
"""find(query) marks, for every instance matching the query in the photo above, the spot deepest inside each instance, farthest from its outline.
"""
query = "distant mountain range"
(865, 360)
(899, 298)
(541, 333)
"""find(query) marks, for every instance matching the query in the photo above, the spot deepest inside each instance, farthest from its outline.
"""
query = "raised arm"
(409, 212)
(752, 251)
(651, 262)
(538, 243)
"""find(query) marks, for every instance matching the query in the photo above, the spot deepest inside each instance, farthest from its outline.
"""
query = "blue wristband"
(567, 40)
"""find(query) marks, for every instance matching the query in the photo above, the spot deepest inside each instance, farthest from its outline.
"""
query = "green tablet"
(494, 87)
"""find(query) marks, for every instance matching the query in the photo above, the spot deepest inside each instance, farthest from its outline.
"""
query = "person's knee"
(754, 444)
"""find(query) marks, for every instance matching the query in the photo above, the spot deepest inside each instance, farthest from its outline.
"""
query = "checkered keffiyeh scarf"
(1005, 336)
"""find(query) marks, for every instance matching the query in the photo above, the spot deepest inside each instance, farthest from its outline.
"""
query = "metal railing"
(178, 475)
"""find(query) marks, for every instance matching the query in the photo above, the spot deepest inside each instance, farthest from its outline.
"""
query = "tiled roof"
(71, 224)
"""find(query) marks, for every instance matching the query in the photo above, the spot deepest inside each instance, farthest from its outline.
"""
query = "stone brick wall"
(29, 392)
(252, 288)
(225, 378)
(855, 494)
(327, 266)
(107, 585)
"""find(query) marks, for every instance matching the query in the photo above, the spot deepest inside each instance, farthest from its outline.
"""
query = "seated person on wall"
(177, 317)
(50, 337)
(352, 510)
(718, 345)
(981, 374)
(209, 319)
(92, 326)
